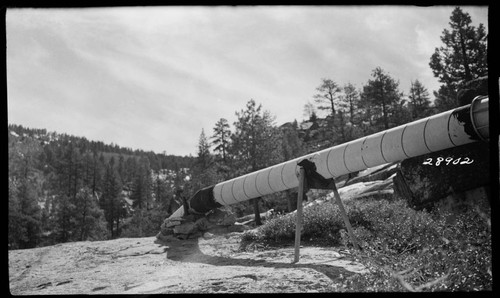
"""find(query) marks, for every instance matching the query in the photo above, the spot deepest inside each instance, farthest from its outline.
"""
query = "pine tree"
(221, 138)
(419, 100)
(445, 98)
(204, 158)
(203, 169)
(17, 231)
(25, 181)
(111, 200)
(121, 168)
(462, 58)
(310, 111)
(328, 96)
(256, 143)
(88, 217)
(141, 194)
(381, 94)
(64, 218)
(87, 170)
(351, 98)
(31, 213)
(162, 193)
(291, 143)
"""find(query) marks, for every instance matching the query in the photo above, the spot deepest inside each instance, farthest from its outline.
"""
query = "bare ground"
(146, 266)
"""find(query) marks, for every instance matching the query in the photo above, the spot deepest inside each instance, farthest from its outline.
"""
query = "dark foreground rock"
(427, 179)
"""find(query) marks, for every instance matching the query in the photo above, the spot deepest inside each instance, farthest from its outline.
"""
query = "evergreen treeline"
(65, 188)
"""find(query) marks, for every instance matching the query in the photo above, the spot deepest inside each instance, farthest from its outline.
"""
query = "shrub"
(393, 225)
(454, 245)
(319, 222)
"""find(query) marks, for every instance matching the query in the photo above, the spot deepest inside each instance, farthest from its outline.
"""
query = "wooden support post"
(298, 222)
(344, 214)
(185, 204)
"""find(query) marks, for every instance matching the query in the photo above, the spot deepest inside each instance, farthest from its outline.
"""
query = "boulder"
(229, 220)
(203, 224)
(425, 179)
(208, 235)
(172, 223)
(221, 216)
(185, 228)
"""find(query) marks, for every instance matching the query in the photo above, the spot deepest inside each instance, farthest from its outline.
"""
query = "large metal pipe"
(452, 128)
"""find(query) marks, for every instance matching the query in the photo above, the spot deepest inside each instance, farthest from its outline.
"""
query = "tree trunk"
(351, 108)
(256, 211)
(333, 108)
(341, 115)
(117, 225)
(468, 75)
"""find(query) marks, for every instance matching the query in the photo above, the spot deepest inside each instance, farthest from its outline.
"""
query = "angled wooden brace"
(310, 178)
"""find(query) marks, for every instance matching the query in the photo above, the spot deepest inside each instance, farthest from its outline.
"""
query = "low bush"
(319, 222)
(405, 249)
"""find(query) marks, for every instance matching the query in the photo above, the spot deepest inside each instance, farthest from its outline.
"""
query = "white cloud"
(152, 78)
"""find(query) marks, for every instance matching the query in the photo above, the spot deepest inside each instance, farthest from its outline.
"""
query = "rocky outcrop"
(218, 220)
(377, 173)
(144, 266)
(426, 179)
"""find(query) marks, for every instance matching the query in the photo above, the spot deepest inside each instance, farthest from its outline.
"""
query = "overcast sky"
(152, 78)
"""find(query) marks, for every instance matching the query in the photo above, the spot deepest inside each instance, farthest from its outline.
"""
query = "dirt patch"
(146, 266)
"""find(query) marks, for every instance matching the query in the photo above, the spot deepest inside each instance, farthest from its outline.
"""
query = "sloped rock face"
(427, 179)
(381, 172)
(144, 266)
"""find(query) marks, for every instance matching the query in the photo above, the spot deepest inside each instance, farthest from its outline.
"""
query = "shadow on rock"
(189, 251)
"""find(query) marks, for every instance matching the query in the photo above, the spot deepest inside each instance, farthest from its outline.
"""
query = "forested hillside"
(67, 188)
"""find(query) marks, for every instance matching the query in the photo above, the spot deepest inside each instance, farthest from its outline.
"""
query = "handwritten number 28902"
(449, 160)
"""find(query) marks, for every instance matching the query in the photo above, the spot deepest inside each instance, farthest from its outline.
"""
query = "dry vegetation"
(444, 249)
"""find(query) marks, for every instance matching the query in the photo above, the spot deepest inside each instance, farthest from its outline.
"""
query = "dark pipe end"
(203, 200)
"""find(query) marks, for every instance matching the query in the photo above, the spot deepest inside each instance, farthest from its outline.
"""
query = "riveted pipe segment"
(238, 190)
(372, 152)
(290, 175)
(336, 161)
(412, 133)
(226, 195)
(277, 183)
(436, 132)
(262, 183)
(354, 157)
(250, 187)
(452, 128)
(322, 167)
(392, 145)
